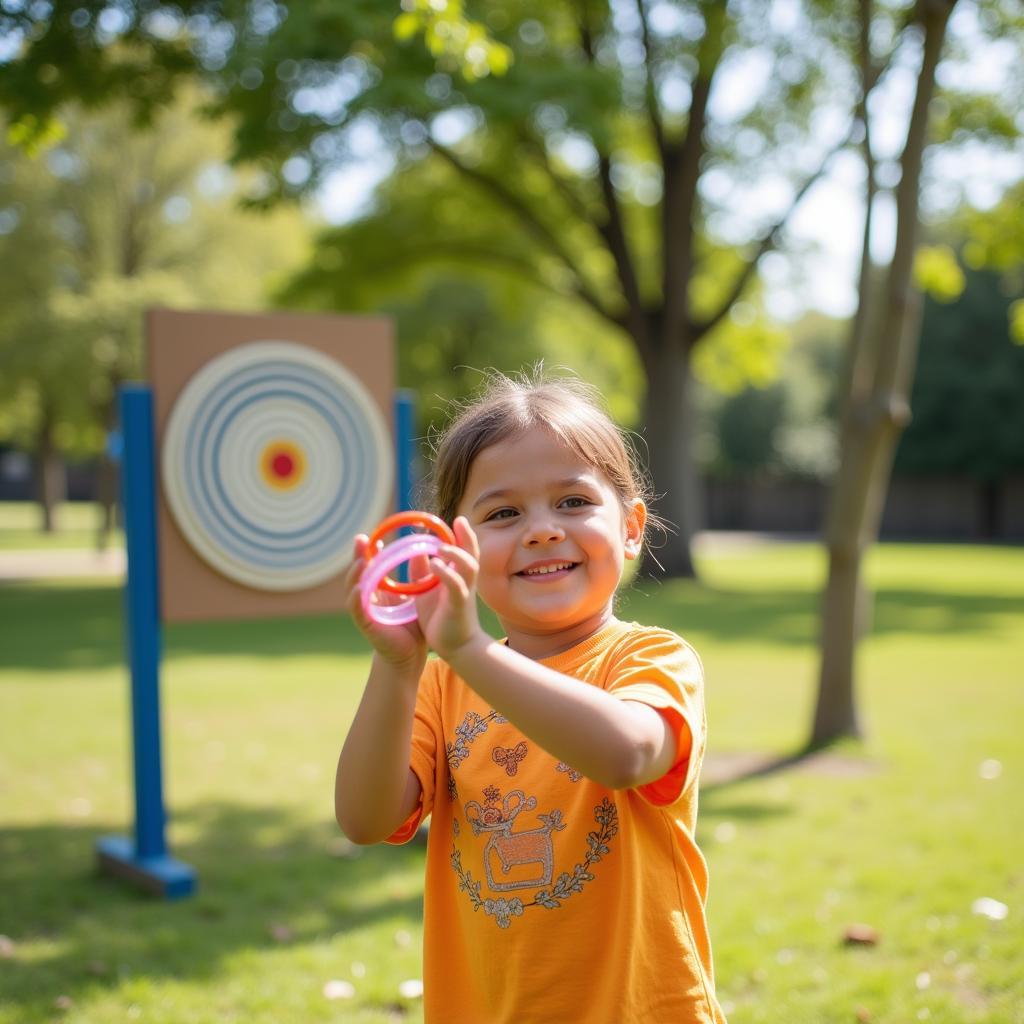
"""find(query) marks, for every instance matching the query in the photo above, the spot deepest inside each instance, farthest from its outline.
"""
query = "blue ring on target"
(208, 474)
(231, 531)
(273, 458)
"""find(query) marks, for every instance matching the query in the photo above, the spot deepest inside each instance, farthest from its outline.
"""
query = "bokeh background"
(784, 240)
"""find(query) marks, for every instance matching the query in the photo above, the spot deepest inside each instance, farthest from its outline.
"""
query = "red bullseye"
(430, 522)
(282, 465)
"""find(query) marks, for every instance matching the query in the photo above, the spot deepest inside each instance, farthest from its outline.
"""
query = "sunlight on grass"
(902, 832)
(76, 524)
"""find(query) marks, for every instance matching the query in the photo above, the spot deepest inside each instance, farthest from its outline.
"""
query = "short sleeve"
(426, 736)
(660, 669)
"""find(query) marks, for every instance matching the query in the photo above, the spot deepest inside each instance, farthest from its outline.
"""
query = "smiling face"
(554, 535)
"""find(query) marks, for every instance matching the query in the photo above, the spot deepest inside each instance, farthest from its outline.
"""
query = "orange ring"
(432, 523)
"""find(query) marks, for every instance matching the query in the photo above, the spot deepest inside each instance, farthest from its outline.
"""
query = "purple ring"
(381, 564)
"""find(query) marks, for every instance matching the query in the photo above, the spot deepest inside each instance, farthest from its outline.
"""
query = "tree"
(882, 353)
(600, 143)
(102, 225)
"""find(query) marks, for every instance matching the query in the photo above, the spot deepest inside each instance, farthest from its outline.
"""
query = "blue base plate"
(163, 876)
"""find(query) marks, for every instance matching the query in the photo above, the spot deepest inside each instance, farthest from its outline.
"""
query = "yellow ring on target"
(283, 465)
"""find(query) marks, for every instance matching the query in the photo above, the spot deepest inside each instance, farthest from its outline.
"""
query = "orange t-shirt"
(551, 898)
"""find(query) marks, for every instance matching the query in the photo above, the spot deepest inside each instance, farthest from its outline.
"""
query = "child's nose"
(542, 530)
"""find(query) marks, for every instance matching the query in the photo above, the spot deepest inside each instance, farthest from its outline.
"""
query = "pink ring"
(381, 564)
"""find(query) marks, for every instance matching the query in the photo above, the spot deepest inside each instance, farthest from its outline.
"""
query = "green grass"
(75, 523)
(901, 832)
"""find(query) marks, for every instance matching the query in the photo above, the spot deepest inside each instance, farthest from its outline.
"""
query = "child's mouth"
(548, 571)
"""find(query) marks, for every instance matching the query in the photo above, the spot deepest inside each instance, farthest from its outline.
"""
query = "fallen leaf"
(860, 935)
(990, 908)
(411, 989)
(338, 989)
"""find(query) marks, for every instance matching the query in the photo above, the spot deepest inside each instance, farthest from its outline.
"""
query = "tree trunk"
(107, 472)
(51, 483)
(857, 502)
(668, 430)
(106, 500)
(876, 411)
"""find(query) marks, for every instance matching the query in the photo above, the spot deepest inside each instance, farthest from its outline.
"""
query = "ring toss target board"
(275, 447)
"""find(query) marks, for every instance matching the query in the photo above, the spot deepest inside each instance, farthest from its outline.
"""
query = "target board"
(274, 449)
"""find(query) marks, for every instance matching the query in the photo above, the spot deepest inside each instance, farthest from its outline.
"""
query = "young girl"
(559, 765)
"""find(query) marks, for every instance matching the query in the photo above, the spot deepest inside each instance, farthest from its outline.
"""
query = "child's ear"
(636, 519)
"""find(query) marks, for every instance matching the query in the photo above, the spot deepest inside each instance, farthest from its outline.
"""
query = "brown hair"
(508, 406)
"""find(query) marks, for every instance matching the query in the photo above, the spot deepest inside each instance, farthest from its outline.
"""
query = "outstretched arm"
(619, 743)
(375, 790)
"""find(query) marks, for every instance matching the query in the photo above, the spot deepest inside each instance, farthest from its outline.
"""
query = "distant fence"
(919, 508)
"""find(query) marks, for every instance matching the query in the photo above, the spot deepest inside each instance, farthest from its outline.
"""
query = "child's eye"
(576, 502)
(500, 513)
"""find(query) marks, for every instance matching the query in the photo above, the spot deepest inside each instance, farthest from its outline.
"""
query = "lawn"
(76, 524)
(902, 833)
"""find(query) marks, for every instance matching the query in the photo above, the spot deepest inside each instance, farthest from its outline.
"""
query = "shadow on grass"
(259, 873)
(791, 617)
(51, 628)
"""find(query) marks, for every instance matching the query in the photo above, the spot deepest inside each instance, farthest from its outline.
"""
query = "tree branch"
(653, 110)
(531, 222)
(856, 375)
(769, 239)
(896, 354)
(572, 199)
(681, 174)
(612, 229)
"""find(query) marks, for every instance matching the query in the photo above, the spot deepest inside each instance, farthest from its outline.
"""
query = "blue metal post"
(405, 448)
(144, 860)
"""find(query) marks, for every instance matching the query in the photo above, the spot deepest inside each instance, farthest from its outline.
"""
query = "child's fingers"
(463, 561)
(358, 563)
(419, 566)
(466, 537)
(451, 579)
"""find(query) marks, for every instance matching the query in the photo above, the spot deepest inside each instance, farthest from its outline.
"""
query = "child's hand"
(447, 614)
(398, 645)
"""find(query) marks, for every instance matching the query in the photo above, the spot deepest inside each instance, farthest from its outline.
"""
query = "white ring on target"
(234, 410)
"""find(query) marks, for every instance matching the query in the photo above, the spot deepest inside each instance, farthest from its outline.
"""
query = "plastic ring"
(430, 522)
(381, 564)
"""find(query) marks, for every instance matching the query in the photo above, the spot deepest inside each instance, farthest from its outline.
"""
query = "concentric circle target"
(273, 458)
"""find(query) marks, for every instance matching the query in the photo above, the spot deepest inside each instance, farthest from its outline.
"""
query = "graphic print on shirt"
(530, 849)
(472, 726)
(509, 757)
(527, 856)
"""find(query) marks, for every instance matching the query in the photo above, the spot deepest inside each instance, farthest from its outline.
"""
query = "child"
(559, 765)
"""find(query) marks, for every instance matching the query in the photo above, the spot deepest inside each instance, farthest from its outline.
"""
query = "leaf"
(937, 272)
(406, 26)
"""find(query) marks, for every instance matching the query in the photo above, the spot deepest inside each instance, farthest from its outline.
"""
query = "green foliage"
(461, 285)
(968, 396)
(786, 425)
(455, 41)
(937, 272)
(101, 227)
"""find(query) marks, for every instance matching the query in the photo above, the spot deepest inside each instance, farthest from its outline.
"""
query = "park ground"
(903, 833)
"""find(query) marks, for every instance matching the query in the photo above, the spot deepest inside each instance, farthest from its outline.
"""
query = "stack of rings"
(383, 559)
